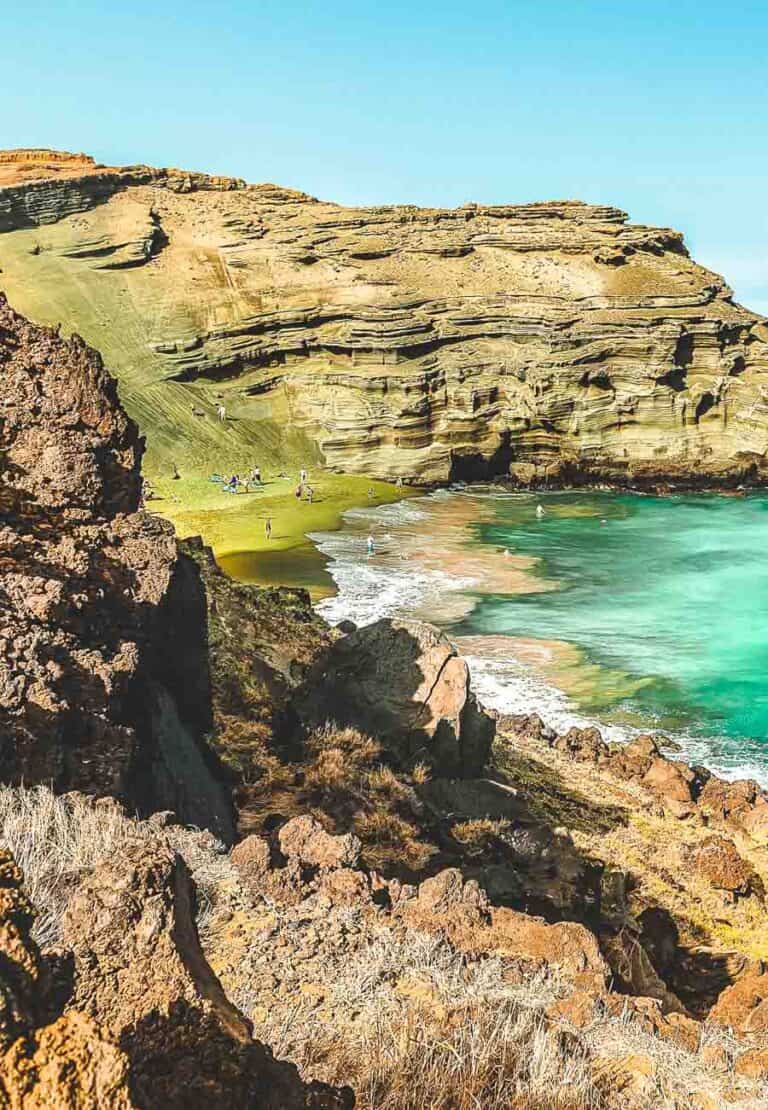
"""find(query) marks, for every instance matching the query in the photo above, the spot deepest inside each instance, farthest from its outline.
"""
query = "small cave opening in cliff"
(599, 378)
(704, 404)
(675, 379)
(474, 466)
(683, 356)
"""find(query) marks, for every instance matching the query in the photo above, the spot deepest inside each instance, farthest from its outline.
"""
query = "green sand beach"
(234, 524)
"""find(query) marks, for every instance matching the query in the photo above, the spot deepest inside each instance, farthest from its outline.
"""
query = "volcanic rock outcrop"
(68, 1062)
(92, 594)
(553, 341)
(404, 682)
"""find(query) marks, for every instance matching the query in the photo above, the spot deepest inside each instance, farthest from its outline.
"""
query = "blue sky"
(659, 108)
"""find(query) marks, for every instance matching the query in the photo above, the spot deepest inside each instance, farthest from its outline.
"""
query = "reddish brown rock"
(251, 857)
(140, 970)
(740, 805)
(304, 839)
(527, 725)
(755, 821)
(583, 744)
(636, 757)
(460, 910)
(717, 860)
(579, 1009)
(346, 886)
(729, 803)
(566, 945)
(743, 1007)
(682, 1030)
(68, 1063)
(89, 698)
(673, 783)
(753, 1064)
(632, 1078)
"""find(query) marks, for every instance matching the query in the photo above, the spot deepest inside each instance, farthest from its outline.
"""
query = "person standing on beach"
(221, 412)
(268, 528)
(302, 476)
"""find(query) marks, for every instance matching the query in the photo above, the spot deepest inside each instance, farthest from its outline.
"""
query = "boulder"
(529, 726)
(566, 946)
(448, 891)
(638, 753)
(743, 1006)
(728, 802)
(403, 682)
(632, 1078)
(251, 857)
(739, 805)
(753, 1064)
(304, 839)
(448, 904)
(583, 744)
(70, 1065)
(755, 821)
(719, 863)
(673, 783)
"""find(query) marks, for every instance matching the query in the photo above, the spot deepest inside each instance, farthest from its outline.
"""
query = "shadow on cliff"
(166, 1076)
(474, 466)
(115, 694)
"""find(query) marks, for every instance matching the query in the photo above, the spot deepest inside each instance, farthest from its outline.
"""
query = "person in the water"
(371, 546)
(539, 510)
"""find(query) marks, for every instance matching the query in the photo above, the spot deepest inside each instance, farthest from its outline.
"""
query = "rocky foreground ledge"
(390, 895)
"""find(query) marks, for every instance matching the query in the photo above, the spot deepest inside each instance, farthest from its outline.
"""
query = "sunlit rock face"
(549, 340)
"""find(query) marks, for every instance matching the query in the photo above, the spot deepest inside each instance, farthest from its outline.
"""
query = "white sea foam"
(372, 587)
(389, 584)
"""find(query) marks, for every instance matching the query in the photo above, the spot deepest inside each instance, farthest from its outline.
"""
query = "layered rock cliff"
(552, 340)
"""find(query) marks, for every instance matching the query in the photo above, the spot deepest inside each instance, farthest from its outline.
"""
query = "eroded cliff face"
(89, 589)
(552, 339)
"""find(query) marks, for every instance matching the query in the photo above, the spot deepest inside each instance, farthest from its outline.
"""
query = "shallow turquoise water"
(670, 590)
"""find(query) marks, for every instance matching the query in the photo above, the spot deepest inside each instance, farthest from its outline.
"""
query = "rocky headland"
(265, 862)
(551, 342)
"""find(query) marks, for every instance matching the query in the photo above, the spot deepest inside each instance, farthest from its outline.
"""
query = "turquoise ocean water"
(665, 598)
(670, 590)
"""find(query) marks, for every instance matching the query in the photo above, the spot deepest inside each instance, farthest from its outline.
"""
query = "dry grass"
(345, 781)
(57, 840)
(480, 835)
(432, 1030)
(410, 1023)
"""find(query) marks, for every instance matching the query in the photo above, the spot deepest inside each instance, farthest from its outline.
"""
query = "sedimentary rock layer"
(550, 338)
